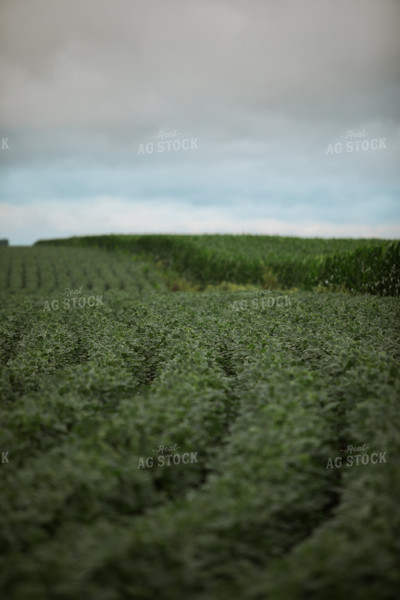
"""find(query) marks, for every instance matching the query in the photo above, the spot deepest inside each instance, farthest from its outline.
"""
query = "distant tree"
(4, 242)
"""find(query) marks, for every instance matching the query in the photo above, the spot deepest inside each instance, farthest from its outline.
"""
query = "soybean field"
(200, 417)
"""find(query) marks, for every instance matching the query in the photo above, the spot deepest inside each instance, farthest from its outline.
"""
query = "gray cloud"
(144, 65)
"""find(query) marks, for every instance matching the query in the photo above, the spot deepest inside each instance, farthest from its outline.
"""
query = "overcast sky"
(278, 117)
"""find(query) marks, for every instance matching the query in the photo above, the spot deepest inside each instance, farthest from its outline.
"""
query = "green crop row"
(49, 270)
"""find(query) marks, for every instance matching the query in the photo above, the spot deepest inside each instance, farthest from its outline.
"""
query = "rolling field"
(368, 266)
(207, 443)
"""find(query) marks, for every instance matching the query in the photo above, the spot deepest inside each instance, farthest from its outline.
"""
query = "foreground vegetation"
(261, 398)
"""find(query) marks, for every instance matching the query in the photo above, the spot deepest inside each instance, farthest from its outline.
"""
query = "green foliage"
(368, 269)
(371, 266)
(263, 396)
